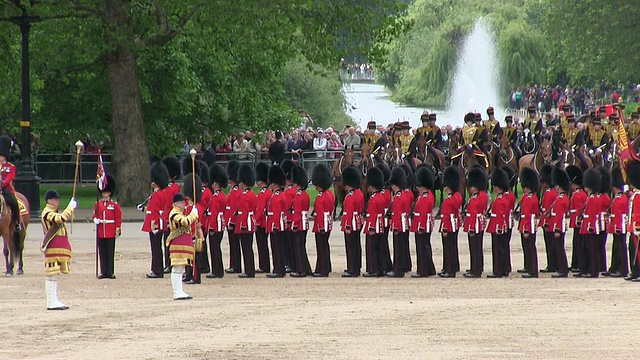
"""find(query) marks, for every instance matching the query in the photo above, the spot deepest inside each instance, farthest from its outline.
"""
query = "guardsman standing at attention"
(577, 201)
(618, 227)
(217, 222)
(235, 261)
(498, 224)
(55, 245)
(529, 210)
(450, 221)
(154, 219)
(7, 174)
(107, 215)
(590, 227)
(289, 194)
(299, 216)
(633, 176)
(262, 170)
(180, 243)
(511, 200)
(557, 219)
(202, 259)
(422, 223)
(276, 220)
(475, 220)
(352, 220)
(400, 211)
(374, 223)
(322, 214)
(603, 217)
(173, 167)
(245, 218)
(548, 198)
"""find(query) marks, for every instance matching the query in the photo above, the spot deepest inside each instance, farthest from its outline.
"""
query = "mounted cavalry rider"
(574, 138)
(434, 139)
(482, 133)
(565, 111)
(426, 124)
(598, 139)
(470, 135)
(370, 137)
(611, 128)
(7, 174)
(492, 125)
(633, 129)
(532, 125)
(510, 132)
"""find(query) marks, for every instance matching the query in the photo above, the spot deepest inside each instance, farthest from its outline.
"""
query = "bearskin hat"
(575, 174)
(204, 173)
(451, 178)
(375, 178)
(409, 174)
(232, 170)
(262, 170)
(605, 180)
(545, 174)
(160, 174)
(591, 180)
(529, 179)
(500, 179)
(299, 176)
(560, 178)
(246, 175)
(321, 176)
(513, 179)
(286, 166)
(477, 178)
(424, 177)
(189, 186)
(173, 166)
(5, 146)
(633, 174)
(351, 177)
(398, 178)
(470, 117)
(617, 181)
(217, 174)
(386, 172)
(276, 175)
(187, 166)
(110, 186)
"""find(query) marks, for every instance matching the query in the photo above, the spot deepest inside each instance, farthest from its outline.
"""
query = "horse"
(366, 162)
(338, 166)
(536, 160)
(13, 240)
(426, 157)
(506, 156)
(529, 143)
(569, 157)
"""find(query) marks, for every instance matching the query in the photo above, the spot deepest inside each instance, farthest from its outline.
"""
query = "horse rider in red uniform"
(8, 173)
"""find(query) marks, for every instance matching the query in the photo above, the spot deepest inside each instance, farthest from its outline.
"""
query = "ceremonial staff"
(79, 146)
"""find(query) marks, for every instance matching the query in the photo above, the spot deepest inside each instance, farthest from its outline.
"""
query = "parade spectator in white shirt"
(320, 143)
(242, 146)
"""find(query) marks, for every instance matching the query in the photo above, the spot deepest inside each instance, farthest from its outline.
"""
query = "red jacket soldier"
(475, 220)
(322, 214)
(107, 216)
(590, 227)
(202, 259)
(633, 177)
(235, 262)
(262, 170)
(374, 223)
(275, 218)
(557, 219)
(154, 221)
(400, 211)
(450, 221)
(618, 226)
(498, 224)
(289, 194)
(217, 222)
(512, 200)
(173, 167)
(605, 204)
(352, 220)
(245, 221)
(299, 215)
(422, 223)
(529, 210)
(7, 174)
(576, 203)
(549, 195)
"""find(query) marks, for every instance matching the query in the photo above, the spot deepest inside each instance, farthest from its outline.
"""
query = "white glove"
(194, 210)
(140, 207)
(154, 231)
(73, 204)
(97, 221)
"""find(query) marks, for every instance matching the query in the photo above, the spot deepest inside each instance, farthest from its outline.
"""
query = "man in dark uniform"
(481, 134)
(510, 132)
(633, 129)
(434, 140)
(426, 126)
(492, 125)
(370, 136)
(598, 140)
(276, 150)
(574, 138)
(533, 124)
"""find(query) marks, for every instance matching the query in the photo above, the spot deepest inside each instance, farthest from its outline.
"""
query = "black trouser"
(323, 260)
(277, 249)
(215, 240)
(10, 198)
(300, 252)
(424, 255)
(619, 260)
(530, 253)
(387, 264)
(560, 253)
(508, 235)
(500, 254)
(156, 240)
(287, 243)
(246, 241)
(375, 254)
(576, 245)
(633, 256)
(202, 259)
(450, 260)
(263, 249)
(400, 250)
(589, 264)
(107, 252)
(235, 259)
(167, 259)
(552, 266)
(353, 248)
(602, 252)
(475, 250)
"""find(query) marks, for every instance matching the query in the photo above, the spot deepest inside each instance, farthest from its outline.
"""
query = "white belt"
(269, 214)
(416, 214)
(228, 207)
(239, 212)
(107, 221)
(148, 212)
(585, 216)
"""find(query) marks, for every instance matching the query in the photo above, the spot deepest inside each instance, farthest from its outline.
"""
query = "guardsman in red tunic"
(400, 225)
(557, 219)
(511, 199)
(388, 195)
(450, 221)
(262, 170)
(202, 258)
(173, 167)
(7, 174)
(289, 194)
(55, 245)
(549, 195)
(374, 223)
(235, 262)
(618, 224)
(245, 218)
(410, 193)
(498, 224)
(590, 227)
(578, 199)
(422, 223)
(605, 204)
(529, 210)
(180, 241)
(352, 220)
(299, 215)
(107, 216)
(154, 220)
(322, 214)
(217, 221)
(475, 221)
(633, 177)
(275, 210)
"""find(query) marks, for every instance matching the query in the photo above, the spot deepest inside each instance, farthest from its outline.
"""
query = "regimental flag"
(627, 151)
(101, 176)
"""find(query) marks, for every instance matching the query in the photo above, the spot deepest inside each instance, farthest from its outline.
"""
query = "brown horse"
(338, 166)
(507, 157)
(365, 164)
(570, 157)
(13, 240)
(540, 157)
(426, 157)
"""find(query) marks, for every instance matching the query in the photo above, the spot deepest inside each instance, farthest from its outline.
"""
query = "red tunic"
(499, 215)
(217, 208)
(389, 196)
(634, 213)
(558, 213)
(422, 217)
(400, 209)
(169, 191)
(8, 171)
(578, 199)
(289, 194)
(110, 214)
(154, 220)
(323, 212)
(275, 212)
(511, 198)
(450, 212)
(299, 214)
(245, 220)
(618, 219)
(353, 208)
(605, 203)
(261, 205)
(205, 216)
(547, 201)
(374, 222)
(529, 210)
(232, 204)
(475, 220)
(590, 223)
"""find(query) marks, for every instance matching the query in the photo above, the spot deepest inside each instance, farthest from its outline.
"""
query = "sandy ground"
(135, 318)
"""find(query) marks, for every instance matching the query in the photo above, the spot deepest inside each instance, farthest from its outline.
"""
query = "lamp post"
(26, 180)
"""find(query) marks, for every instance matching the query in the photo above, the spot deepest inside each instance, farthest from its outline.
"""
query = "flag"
(101, 176)
(627, 152)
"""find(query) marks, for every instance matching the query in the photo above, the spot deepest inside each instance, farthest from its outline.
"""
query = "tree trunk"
(131, 158)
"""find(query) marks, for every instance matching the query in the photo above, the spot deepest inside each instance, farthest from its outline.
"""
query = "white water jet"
(476, 82)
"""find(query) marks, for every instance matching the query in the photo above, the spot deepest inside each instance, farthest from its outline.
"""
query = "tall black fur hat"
(232, 170)
(299, 176)
(560, 178)
(321, 176)
(160, 174)
(451, 178)
(605, 180)
(351, 177)
(262, 171)
(276, 176)
(633, 174)
(424, 177)
(375, 178)
(204, 173)
(217, 174)
(545, 174)
(5, 146)
(188, 188)
(617, 181)
(187, 167)
(409, 174)
(513, 179)
(110, 186)
(246, 175)
(386, 172)
(529, 179)
(500, 179)
(575, 174)
(477, 178)
(398, 178)
(286, 166)
(173, 166)
(591, 180)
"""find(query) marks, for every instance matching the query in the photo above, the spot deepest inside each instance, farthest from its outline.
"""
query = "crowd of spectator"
(356, 71)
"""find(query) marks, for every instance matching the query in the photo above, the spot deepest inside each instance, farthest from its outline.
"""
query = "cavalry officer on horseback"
(481, 133)
(510, 132)
(532, 125)
(406, 137)
(370, 137)
(7, 173)
(470, 134)
(598, 139)
(633, 129)
(492, 125)
(434, 139)
(565, 111)
(426, 125)
(611, 128)
(574, 138)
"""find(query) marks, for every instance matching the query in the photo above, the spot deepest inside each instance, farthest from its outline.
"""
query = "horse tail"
(17, 243)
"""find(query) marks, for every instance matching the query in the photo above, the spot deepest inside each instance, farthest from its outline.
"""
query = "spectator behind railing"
(352, 139)
(241, 145)
(295, 145)
(320, 143)
(277, 149)
(334, 145)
